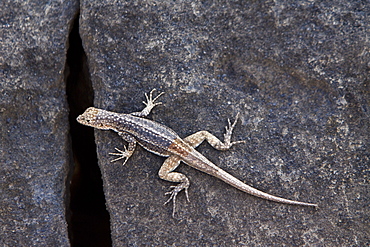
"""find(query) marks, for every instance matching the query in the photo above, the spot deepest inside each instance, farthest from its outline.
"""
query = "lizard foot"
(173, 193)
(150, 102)
(229, 132)
(123, 155)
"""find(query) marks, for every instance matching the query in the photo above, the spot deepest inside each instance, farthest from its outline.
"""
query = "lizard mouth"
(82, 120)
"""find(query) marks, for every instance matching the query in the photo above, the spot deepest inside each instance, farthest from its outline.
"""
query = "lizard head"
(93, 117)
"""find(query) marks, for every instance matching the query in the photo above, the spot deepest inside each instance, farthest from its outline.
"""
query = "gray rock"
(34, 149)
(297, 73)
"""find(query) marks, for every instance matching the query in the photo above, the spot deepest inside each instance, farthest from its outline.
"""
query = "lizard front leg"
(128, 151)
(149, 104)
(196, 139)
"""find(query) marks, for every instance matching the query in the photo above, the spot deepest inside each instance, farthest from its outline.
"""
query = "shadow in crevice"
(88, 218)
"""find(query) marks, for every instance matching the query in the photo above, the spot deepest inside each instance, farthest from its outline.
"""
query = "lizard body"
(163, 141)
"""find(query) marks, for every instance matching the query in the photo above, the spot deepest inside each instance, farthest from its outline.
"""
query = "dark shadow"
(88, 218)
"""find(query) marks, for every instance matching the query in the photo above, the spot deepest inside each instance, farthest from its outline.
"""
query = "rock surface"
(34, 143)
(298, 74)
(296, 71)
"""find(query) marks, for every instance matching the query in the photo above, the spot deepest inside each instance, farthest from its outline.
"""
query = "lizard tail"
(228, 178)
(199, 162)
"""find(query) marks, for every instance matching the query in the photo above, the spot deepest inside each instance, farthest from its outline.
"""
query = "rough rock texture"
(34, 146)
(297, 71)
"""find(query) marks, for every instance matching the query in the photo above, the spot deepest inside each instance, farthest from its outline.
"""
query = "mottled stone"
(297, 71)
(34, 146)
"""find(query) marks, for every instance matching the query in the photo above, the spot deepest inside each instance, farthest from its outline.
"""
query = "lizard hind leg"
(166, 173)
(197, 138)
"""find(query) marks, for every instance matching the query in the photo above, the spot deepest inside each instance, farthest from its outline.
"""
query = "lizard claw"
(149, 104)
(229, 130)
(123, 155)
(150, 101)
(173, 193)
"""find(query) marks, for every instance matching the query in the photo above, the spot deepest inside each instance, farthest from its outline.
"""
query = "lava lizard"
(163, 141)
